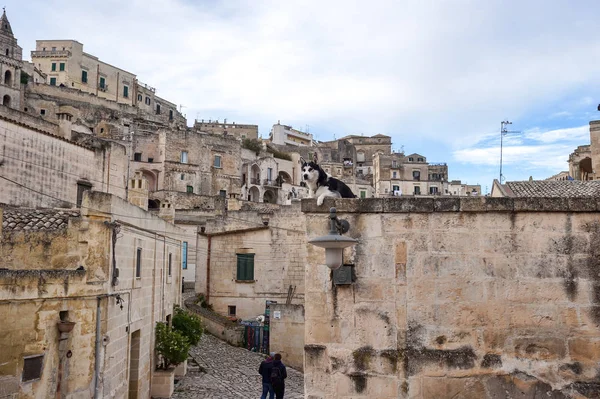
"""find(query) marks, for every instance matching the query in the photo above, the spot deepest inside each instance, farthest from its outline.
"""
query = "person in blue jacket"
(266, 366)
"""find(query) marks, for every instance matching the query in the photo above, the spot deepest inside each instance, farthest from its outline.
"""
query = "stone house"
(287, 135)
(456, 297)
(223, 129)
(111, 271)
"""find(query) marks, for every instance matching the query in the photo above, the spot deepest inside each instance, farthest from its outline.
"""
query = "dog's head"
(312, 172)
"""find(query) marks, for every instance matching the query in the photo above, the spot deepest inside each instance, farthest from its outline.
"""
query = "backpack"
(276, 379)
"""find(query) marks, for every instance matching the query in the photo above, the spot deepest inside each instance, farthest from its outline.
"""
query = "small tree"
(171, 346)
(252, 145)
(188, 324)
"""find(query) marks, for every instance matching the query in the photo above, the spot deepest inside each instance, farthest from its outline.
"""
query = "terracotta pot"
(65, 326)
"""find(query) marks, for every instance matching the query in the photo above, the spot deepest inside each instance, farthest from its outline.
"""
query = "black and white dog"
(322, 185)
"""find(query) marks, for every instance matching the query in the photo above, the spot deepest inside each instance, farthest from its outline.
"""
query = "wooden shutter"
(245, 267)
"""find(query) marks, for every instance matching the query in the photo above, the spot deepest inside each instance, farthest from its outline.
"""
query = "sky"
(438, 76)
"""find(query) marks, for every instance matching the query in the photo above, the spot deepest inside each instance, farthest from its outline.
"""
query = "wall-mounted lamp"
(334, 243)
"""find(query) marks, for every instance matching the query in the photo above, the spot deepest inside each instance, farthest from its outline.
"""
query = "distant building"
(224, 128)
(564, 175)
(456, 187)
(11, 64)
(283, 134)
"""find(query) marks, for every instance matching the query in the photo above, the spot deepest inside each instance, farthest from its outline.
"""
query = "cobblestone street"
(227, 372)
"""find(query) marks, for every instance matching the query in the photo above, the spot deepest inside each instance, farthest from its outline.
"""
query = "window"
(170, 114)
(52, 81)
(102, 84)
(53, 69)
(147, 100)
(138, 263)
(137, 157)
(223, 193)
(125, 91)
(416, 175)
(170, 264)
(53, 48)
(184, 157)
(61, 66)
(150, 160)
(269, 174)
(157, 109)
(184, 250)
(42, 112)
(140, 98)
(32, 368)
(7, 52)
(433, 190)
(217, 161)
(81, 188)
(182, 176)
(231, 310)
(83, 76)
(363, 194)
(395, 188)
(245, 267)
(394, 175)
(417, 190)
(419, 159)
(411, 159)
(190, 189)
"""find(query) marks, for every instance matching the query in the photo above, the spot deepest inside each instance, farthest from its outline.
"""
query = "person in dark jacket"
(266, 366)
(278, 376)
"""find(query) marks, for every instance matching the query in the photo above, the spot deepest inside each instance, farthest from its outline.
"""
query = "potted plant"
(190, 326)
(172, 349)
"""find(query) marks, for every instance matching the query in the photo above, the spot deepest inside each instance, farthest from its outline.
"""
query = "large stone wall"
(286, 333)
(471, 298)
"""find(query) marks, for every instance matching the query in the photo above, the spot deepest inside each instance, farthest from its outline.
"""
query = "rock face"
(472, 299)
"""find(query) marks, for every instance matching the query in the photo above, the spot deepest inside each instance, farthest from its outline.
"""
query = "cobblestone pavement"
(227, 372)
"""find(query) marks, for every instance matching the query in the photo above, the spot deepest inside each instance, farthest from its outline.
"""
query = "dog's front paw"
(320, 201)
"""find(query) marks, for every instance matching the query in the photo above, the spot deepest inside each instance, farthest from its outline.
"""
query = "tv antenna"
(503, 132)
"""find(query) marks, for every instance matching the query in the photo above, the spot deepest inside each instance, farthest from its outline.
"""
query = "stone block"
(447, 388)
(499, 204)
(163, 383)
(584, 349)
(472, 204)
(181, 369)
(446, 204)
(581, 204)
(543, 348)
(541, 204)
(343, 205)
(404, 205)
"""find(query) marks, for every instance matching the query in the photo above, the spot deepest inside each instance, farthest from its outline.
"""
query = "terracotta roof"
(22, 219)
(549, 188)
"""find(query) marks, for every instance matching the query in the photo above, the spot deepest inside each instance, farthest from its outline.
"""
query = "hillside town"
(117, 218)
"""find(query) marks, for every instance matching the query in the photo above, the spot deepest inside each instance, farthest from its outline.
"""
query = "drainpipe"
(208, 269)
(97, 350)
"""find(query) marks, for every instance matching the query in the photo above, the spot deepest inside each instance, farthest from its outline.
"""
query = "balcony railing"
(254, 181)
(272, 183)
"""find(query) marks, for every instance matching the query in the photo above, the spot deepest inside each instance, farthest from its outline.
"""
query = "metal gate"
(253, 338)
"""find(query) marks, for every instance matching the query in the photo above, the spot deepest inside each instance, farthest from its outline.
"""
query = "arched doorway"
(152, 180)
(255, 174)
(8, 78)
(254, 194)
(284, 177)
(6, 101)
(269, 197)
(585, 168)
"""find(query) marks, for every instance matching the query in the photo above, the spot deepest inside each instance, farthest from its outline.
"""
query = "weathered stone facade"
(62, 265)
(227, 129)
(470, 297)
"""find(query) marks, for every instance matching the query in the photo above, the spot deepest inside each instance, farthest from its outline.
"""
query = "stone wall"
(472, 298)
(287, 334)
(218, 325)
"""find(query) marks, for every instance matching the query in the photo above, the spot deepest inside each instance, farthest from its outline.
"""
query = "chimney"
(138, 191)
(167, 211)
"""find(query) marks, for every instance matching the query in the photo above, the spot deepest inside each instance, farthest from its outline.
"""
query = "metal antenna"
(504, 132)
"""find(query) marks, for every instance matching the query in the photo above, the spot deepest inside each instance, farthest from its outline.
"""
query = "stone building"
(287, 135)
(239, 131)
(580, 163)
(11, 66)
(109, 272)
(455, 297)
(564, 175)
(456, 187)
(397, 174)
(66, 64)
(41, 166)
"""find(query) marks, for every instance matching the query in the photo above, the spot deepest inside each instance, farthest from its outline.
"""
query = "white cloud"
(579, 134)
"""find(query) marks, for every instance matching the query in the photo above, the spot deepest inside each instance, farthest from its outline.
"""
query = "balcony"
(53, 54)
(271, 183)
(103, 88)
(396, 165)
(255, 181)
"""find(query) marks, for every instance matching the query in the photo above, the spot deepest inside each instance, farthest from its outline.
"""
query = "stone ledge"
(451, 204)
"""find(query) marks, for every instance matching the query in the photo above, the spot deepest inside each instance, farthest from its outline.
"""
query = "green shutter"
(54, 66)
(245, 267)
(83, 76)
(62, 66)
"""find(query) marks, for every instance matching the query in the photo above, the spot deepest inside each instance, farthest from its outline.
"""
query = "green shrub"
(171, 345)
(188, 324)
(252, 145)
(24, 78)
(280, 154)
(201, 299)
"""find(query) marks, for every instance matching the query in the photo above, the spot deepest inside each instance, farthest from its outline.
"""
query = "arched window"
(139, 97)
(8, 78)
(7, 52)
(6, 101)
